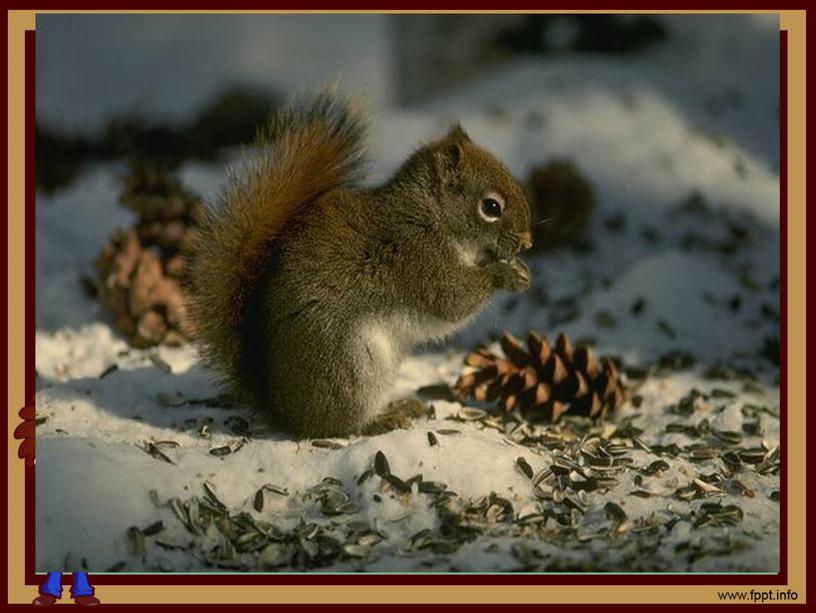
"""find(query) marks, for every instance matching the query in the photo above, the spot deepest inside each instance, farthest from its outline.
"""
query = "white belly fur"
(383, 341)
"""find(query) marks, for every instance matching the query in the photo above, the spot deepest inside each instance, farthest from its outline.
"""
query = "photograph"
(407, 294)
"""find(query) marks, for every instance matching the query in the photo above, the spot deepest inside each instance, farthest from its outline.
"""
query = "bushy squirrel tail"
(304, 152)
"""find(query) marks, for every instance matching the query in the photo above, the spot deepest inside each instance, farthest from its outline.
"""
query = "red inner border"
(32, 578)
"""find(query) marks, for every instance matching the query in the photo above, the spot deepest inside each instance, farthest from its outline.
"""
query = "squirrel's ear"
(448, 160)
(457, 134)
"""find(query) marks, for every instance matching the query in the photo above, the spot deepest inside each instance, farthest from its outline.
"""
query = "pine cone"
(167, 212)
(148, 305)
(138, 271)
(544, 382)
(153, 193)
(562, 201)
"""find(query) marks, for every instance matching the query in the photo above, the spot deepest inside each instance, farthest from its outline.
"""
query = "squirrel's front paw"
(511, 275)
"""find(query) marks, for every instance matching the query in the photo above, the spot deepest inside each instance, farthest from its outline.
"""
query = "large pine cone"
(138, 272)
(544, 382)
(133, 284)
(562, 201)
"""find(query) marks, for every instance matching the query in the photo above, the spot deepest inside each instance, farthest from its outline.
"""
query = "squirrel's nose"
(526, 239)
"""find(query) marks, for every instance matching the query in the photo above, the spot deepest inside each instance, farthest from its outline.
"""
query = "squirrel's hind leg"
(397, 415)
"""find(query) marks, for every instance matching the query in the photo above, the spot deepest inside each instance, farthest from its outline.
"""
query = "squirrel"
(306, 290)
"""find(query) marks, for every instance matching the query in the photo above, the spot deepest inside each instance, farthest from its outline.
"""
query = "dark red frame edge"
(271, 579)
(413, 5)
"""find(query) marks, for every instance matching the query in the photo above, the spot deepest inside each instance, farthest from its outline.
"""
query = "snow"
(638, 129)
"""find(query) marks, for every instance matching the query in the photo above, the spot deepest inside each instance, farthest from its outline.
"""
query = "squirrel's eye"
(490, 209)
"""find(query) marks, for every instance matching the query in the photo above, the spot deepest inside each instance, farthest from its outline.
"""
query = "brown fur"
(306, 292)
(303, 153)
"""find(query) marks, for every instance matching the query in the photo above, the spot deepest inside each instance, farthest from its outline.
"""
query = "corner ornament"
(25, 432)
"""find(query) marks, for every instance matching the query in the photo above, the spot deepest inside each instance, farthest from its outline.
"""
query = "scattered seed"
(415, 479)
(754, 455)
(616, 450)
(159, 363)
(167, 544)
(221, 451)
(614, 512)
(357, 551)
(706, 488)
(167, 443)
(258, 502)
(752, 428)
(702, 453)
(743, 489)
(525, 467)
(136, 541)
(574, 503)
(212, 495)
(530, 514)
(193, 513)
(420, 536)
(688, 492)
(658, 466)
(431, 487)
(153, 529)
(585, 457)
(327, 444)
(155, 452)
(732, 438)
(381, 466)
(368, 540)
(640, 444)
(471, 414)
(179, 511)
(400, 486)
(732, 459)
(276, 489)
(110, 369)
(334, 506)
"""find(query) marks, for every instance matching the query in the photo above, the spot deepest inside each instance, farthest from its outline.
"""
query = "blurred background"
(124, 74)
(635, 136)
